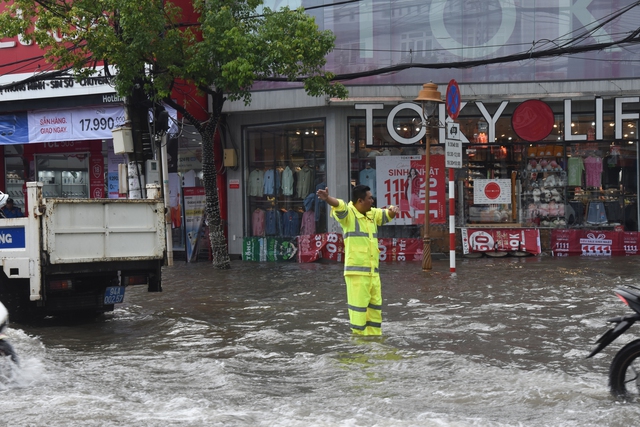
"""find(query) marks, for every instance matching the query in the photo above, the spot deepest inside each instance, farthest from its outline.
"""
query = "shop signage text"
(620, 114)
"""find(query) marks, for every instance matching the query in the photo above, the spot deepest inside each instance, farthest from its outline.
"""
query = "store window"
(285, 166)
(394, 171)
(581, 174)
(560, 181)
(63, 175)
(15, 174)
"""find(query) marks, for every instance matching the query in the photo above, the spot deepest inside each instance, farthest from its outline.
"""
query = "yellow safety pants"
(364, 300)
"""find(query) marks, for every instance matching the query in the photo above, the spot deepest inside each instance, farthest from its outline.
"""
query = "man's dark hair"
(359, 192)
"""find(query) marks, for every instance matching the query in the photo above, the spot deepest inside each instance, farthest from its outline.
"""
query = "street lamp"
(429, 97)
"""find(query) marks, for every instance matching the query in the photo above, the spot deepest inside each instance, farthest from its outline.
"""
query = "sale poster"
(194, 200)
(594, 243)
(501, 240)
(491, 191)
(401, 181)
(74, 124)
(330, 246)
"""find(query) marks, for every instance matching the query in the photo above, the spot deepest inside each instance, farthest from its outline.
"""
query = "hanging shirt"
(593, 168)
(257, 222)
(287, 181)
(269, 182)
(304, 185)
(321, 205)
(574, 169)
(368, 178)
(273, 223)
(290, 223)
(308, 224)
(256, 183)
(309, 201)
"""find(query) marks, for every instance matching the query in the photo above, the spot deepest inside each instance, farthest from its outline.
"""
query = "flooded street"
(503, 343)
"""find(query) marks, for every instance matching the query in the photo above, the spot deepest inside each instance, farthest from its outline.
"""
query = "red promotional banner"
(594, 243)
(400, 181)
(312, 247)
(392, 250)
(501, 240)
(331, 246)
(96, 176)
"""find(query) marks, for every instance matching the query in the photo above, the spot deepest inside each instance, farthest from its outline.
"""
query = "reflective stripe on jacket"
(360, 233)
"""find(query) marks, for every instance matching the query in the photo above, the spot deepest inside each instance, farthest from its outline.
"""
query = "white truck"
(73, 256)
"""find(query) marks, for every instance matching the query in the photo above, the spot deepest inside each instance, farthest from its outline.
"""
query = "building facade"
(548, 144)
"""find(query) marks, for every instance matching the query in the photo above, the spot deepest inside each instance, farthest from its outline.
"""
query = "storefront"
(574, 168)
(65, 149)
(549, 145)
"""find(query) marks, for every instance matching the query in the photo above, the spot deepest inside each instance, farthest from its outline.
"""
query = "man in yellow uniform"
(360, 223)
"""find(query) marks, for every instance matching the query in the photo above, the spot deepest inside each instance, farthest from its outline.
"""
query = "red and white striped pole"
(452, 221)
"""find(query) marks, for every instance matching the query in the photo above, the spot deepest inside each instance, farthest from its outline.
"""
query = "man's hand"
(394, 210)
(323, 194)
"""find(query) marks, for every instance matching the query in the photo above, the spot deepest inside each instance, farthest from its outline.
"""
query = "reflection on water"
(502, 343)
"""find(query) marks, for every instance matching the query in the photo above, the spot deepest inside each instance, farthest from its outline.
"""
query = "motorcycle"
(6, 349)
(624, 373)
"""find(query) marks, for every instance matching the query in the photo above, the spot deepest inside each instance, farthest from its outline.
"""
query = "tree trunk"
(219, 249)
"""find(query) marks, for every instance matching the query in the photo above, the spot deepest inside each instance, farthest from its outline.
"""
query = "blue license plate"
(114, 295)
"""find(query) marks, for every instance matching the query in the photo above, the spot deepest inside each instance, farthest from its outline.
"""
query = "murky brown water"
(502, 343)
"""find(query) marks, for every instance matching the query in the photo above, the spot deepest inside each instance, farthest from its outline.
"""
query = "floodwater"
(503, 343)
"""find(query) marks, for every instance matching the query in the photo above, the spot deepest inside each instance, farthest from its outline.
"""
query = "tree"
(222, 51)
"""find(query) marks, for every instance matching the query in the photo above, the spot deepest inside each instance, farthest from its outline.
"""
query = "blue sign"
(12, 238)
(453, 99)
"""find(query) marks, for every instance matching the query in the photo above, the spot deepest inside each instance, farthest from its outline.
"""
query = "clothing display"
(593, 168)
(308, 223)
(290, 223)
(273, 223)
(256, 183)
(596, 213)
(304, 184)
(258, 222)
(575, 168)
(368, 178)
(287, 182)
(271, 182)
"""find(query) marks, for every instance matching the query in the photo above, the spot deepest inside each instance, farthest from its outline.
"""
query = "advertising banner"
(113, 161)
(400, 181)
(96, 176)
(313, 247)
(491, 191)
(194, 200)
(594, 243)
(501, 240)
(74, 124)
(269, 249)
(331, 246)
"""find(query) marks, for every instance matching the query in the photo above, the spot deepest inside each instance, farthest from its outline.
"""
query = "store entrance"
(63, 175)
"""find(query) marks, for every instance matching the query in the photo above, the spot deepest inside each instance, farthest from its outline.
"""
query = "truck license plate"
(114, 295)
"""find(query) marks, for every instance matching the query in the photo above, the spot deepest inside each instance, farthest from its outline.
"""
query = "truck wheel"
(624, 375)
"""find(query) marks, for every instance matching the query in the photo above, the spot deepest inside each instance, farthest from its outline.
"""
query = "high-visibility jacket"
(360, 233)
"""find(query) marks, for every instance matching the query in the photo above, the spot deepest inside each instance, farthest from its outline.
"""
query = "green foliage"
(227, 50)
